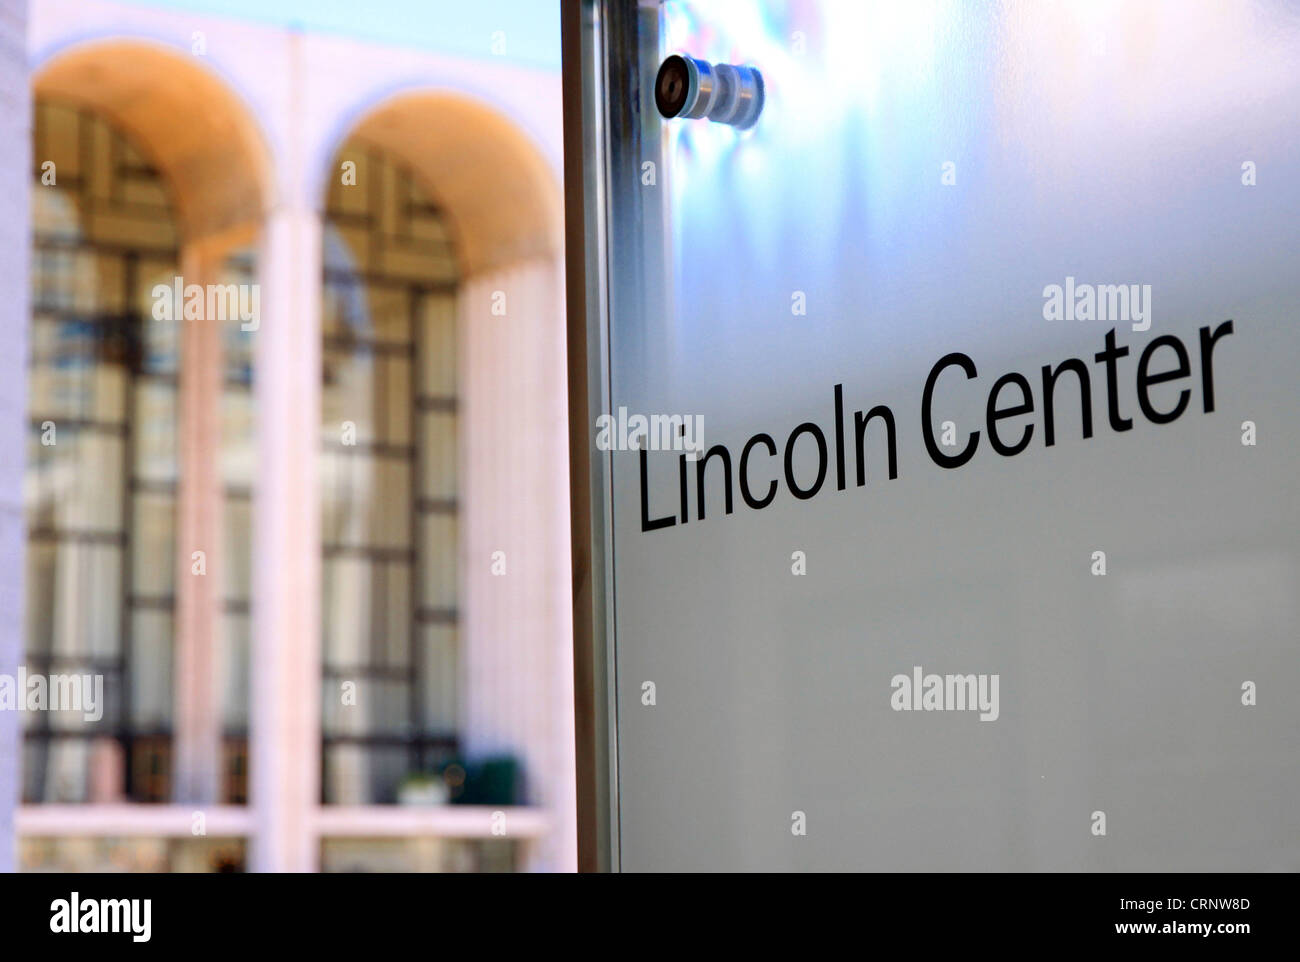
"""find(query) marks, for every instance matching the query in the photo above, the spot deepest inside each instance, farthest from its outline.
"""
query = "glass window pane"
(38, 610)
(395, 403)
(438, 653)
(364, 774)
(109, 276)
(438, 454)
(393, 586)
(438, 347)
(236, 562)
(234, 669)
(94, 263)
(75, 599)
(103, 602)
(390, 313)
(151, 669)
(337, 510)
(348, 394)
(77, 483)
(438, 547)
(347, 247)
(392, 504)
(153, 569)
(56, 769)
(386, 245)
(154, 430)
(345, 610)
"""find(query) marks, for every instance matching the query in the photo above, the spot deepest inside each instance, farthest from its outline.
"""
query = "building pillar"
(15, 243)
(516, 642)
(284, 748)
(197, 769)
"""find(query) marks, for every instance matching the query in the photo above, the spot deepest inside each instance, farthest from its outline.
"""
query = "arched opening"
(388, 479)
(146, 173)
(102, 467)
(445, 592)
(185, 118)
(487, 176)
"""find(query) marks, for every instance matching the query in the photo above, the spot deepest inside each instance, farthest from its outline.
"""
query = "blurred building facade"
(317, 550)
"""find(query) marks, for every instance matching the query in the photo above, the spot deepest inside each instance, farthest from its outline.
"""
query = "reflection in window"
(100, 490)
(238, 462)
(388, 483)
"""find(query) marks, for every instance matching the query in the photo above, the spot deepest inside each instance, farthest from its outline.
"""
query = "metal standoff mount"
(724, 93)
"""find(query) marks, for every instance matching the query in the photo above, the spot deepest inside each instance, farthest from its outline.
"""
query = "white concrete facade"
(245, 120)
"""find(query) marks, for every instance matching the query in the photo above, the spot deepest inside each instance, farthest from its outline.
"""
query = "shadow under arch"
(499, 192)
(186, 118)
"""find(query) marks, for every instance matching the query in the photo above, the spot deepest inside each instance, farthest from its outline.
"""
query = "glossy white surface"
(1099, 141)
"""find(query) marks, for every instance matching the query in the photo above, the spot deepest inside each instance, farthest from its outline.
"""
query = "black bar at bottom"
(975, 912)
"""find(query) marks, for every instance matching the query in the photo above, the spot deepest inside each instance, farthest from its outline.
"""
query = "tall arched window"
(238, 464)
(102, 462)
(388, 481)
(104, 470)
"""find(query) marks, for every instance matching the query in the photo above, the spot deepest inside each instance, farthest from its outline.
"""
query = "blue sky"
(464, 27)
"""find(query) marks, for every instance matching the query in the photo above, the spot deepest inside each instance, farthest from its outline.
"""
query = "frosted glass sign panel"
(953, 432)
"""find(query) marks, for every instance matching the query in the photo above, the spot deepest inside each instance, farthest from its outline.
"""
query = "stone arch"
(486, 172)
(189, 120)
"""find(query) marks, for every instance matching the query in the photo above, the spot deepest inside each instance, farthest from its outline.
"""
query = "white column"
(284, 748)
(15, 161)
(516, 641)
(197, 774)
